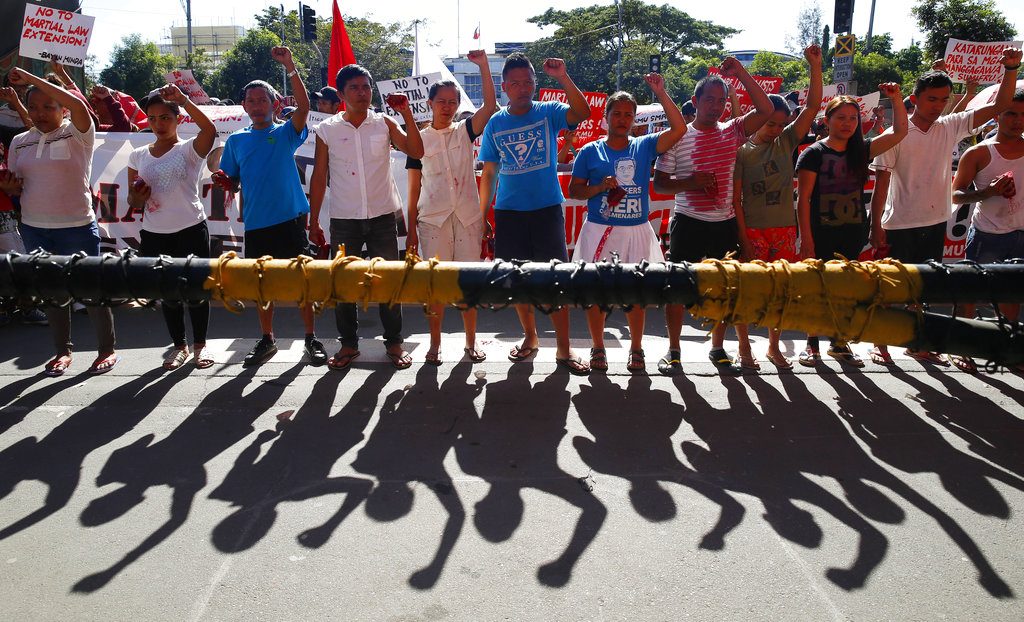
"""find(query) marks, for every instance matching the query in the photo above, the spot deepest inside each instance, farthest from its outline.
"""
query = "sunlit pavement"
(501, 490)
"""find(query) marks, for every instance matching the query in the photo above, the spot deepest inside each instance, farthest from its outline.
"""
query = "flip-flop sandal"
(720, 358)
(57, 366)
(881, 357)
(574, 365)
(670, 364)
(176, 359)
(844, 354)
(400, 361)
(519, 354)
(598, 359)
(809, 359)
(202, 358)
(474, 355)
(749, 363)
(103, 365)
(637, 361)
(431, 358)
(927, 357)
(341, 361)
(779, 361)
(963, 363)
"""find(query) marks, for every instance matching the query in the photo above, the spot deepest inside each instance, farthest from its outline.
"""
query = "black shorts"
(917, 244)
(694, 240)
(536, 235)
(194, 240)
(847, 240)
(284, 240)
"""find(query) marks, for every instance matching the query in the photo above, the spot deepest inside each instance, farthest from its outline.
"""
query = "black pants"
(194, 240)
(380, 235)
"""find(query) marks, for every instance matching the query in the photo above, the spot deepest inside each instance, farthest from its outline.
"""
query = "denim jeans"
(380, 236)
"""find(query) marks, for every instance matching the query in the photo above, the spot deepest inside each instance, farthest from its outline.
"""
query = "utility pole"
(871, 27)
(188, 29)
(618, 59)
(284, 72)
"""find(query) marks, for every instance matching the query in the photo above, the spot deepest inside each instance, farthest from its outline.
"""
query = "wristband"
(1014, 68)
(293, 73)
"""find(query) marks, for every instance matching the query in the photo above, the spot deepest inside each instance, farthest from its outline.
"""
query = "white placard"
(55, 35)
(969, 60)
(184, 80)
(416, 88)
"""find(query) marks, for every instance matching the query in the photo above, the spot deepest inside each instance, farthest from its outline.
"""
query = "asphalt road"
(500, 491)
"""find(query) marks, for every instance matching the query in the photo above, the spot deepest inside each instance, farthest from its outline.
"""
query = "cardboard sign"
(650, 113)
(55, 35)
(184, 80)
(416, 88)
(590, 129)
(967, 60)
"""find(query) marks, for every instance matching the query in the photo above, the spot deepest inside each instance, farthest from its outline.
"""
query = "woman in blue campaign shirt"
(613, 175)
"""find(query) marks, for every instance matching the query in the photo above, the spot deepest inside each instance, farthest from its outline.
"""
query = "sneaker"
(316, 352)
(263, 350)
(35, 317)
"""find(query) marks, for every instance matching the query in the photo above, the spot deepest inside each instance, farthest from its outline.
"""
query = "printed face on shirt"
(625, 171)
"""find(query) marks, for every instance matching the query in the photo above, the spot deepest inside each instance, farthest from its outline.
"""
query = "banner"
(590, 129)
(55, 35)
(968, 60)
(988, 95)
(650, 113)
(184, 80)
(768, 84)
(416, 88)
(831, 91)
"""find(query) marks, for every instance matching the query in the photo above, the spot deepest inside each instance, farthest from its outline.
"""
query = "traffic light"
(308, 18)
(843, 21)
(655, 63)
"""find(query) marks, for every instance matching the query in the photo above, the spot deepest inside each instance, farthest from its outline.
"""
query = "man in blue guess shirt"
(518, 148)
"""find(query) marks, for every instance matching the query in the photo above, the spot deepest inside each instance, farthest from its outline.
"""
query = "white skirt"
(633, 244)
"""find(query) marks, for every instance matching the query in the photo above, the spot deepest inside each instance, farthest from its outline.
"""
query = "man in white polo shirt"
(912, 202)
(355, 147)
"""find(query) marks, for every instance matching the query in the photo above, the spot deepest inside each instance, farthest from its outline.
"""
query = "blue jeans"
(67, 241)
(380, 235)
(993, 247)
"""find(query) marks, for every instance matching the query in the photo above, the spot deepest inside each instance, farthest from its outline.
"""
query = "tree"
(971, 20)
(588, 39)
(808, 24)
(879, 44)
(201, 65)
(385, 49)
(872, 69)
(794, 73)
(249, 59)
(136, 67)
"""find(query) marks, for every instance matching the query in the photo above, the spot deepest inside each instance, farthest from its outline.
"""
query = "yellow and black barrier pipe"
(842, 299)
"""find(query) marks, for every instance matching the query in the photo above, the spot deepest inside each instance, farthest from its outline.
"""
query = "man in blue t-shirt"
(518, 148)
(261, 159)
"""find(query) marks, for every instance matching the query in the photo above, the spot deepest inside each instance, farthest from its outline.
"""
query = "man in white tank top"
(991, 168)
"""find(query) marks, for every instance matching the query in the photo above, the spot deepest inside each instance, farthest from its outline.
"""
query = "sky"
(450, 23)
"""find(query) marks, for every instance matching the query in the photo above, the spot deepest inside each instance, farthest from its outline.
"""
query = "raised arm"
(483, 114)
(409, 140)
(283, 55)
(1004, 96)
(10, 97)
(900, 125)
(207, 130)
(754, 119)
(579, 109)
(676, 123)
(806, 117)
(80, 117)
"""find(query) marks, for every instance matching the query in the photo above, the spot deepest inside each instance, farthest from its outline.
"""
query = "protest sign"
(589, 129)
(768, 84)
(978, 62)
(650, 113)
(416, 88)
(184, 80)
(988, 95)
(55, 35)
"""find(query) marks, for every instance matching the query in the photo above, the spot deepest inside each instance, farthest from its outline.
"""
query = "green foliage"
(872, 69)
(911, 58)
(248, 60)
(808, 25)
(136, 67)
(588, 39)
(971, 20)
(201, 65)
(385, 49)
(880, 44)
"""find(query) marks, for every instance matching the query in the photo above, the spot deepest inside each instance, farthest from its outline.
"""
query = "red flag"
(341, 49)
(476, 33)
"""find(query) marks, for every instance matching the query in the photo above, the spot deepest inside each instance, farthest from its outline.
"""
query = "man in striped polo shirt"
(699, 171)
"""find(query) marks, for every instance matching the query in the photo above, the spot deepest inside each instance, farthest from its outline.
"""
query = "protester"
(328, 101)
(10, 97)
(831, 174)
(163, 183)
(689, 112)
(613, 175)
(49, 167)
(997, 222)
(355, 148)
(699, 171)
(444, 204)
(910, 206)
(763, 196)
(261, 158)
(518, 148)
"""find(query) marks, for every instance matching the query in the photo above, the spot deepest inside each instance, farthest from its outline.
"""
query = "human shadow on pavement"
(990, 430)
(223, 417)
(297, 466)
(15, 404)
(766, 455)
(632, 432)
(416, 431)
(56, 459)
(514, 446)
(898, 437)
